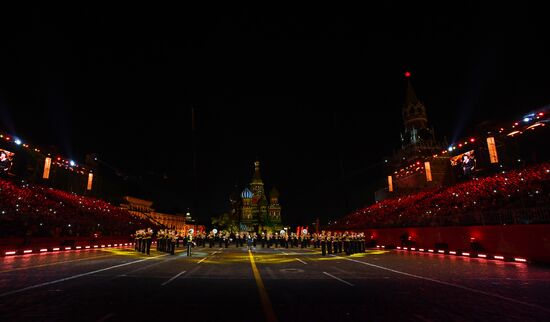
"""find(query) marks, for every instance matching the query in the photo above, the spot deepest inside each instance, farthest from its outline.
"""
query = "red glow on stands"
(405, 248)
(441, 251)
(398, 247)
(412, 248)
(78, 247)
(57, 248)
(523, 260)
(421, 249)
(27, 251)
(499, 257)
(43, 249)
(407, 74)
(431, 250)
(482, 255)
(465, 254)
(10, 252)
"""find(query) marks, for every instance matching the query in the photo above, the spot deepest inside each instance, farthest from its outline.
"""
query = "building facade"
(143, 208)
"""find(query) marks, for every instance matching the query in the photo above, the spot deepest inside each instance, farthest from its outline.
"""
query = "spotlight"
(17, 141)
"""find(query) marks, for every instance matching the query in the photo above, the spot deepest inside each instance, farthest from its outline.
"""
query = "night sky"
(314, 92)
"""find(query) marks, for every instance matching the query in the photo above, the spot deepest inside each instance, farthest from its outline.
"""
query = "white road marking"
(301, 261)
(73, 277)
(450, 284)
(338, 279)
(173, 278)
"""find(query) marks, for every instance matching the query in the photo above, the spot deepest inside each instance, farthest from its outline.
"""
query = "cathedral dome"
(246, 194)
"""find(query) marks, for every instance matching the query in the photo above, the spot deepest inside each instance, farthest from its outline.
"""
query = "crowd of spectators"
(515, 192)
(35, 210)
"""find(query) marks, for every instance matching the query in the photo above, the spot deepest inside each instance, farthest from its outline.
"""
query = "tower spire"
(414, 111)
(257, 184)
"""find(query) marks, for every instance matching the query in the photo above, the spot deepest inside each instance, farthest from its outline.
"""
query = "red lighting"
(10, 252)
(57, 248)
(523, 260)
(43, 250)
(499, 257)
(465, 254)
(27, 251)
(472, 140)
(407, 74)
(541, 114)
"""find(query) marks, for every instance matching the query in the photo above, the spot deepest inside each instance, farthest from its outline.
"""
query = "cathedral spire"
(257, 184)
(414, 111)
(257, 177)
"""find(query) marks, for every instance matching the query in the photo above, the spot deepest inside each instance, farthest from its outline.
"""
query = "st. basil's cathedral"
(253, 210)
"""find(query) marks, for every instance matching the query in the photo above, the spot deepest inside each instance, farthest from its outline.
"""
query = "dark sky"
(315, 92)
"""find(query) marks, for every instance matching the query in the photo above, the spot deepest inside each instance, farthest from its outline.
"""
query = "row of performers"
(143, 240)
(168, 240)
(340, 241)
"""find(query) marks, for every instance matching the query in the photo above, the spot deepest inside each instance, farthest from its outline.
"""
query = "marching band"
(328, 242)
